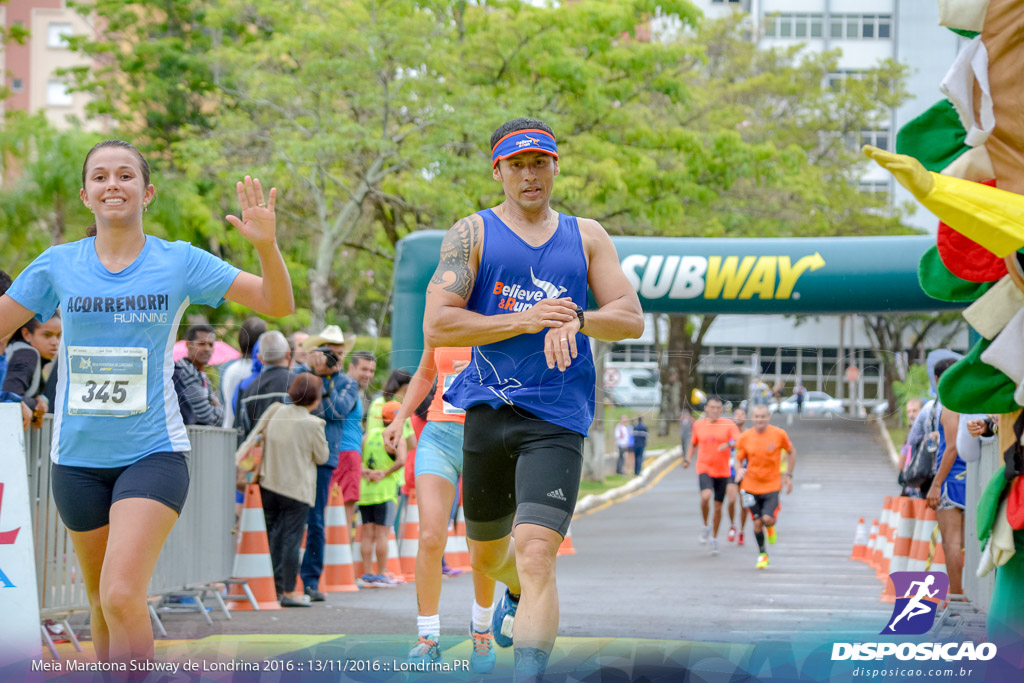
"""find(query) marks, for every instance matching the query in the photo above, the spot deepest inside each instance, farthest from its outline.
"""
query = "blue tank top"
(514, 276)
(959, 465)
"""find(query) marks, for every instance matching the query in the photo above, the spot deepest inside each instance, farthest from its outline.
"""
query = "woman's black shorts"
(84, 494)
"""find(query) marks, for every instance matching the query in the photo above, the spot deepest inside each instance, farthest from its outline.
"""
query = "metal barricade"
(199, 550)
(978, 590)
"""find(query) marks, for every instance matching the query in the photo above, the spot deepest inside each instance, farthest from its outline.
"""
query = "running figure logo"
(914, 612)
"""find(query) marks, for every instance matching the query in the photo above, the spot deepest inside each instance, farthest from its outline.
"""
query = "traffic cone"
(890, 538)
(566, 547)
(410, 539)
(904, 535)
(457, 549)
(860, 541)
(883, 534)
(339, 574)
(869, 551)
(920, 546)
(252, 556)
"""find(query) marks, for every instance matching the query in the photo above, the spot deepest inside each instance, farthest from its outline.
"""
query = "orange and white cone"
(920, 545)
(410, 544)
(338, 575)
(457, 549)
(566, 548)
(904, 535)
(869, 550)
(883, 535)
(860, 541)
(252, 556)
(890, 540)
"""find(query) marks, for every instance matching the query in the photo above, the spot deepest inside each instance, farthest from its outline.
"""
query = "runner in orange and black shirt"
(758, 453)
(713, 437)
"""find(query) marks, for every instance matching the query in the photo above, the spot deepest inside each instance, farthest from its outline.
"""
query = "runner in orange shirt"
(713, 437)
(758, 454)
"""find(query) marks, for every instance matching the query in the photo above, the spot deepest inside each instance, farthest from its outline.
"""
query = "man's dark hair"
(5, 282)
(248, 333)
(942, 366)
(357, 356)
(196, 330)
(519, 124)
(714, 398)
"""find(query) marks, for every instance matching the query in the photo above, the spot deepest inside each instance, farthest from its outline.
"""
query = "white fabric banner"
(20, 640)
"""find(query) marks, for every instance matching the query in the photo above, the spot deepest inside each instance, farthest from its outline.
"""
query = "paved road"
(640, 572)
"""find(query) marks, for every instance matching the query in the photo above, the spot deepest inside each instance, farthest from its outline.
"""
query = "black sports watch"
(579, 314)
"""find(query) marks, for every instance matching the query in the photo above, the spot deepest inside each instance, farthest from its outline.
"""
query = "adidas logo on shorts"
(557, 494)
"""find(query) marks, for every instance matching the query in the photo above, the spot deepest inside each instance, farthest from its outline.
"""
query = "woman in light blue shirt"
(119, 471)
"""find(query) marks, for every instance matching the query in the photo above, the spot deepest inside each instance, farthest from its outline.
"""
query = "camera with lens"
(331, 358)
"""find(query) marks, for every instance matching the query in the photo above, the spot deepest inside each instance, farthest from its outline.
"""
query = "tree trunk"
(678, 366)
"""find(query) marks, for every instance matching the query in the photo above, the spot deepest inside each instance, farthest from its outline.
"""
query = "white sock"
(482, 617)
(429, 626)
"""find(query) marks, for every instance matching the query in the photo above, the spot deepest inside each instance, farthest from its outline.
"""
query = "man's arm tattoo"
(455, 254)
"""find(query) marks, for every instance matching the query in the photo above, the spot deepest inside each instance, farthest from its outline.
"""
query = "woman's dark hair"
(143, 165)
(305, 389)
(396, 380)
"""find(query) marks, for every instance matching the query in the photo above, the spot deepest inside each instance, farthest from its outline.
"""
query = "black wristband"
(579, 314)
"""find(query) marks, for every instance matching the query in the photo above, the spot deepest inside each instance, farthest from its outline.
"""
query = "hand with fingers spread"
(258, 223)
(548, 313)
(560, 344)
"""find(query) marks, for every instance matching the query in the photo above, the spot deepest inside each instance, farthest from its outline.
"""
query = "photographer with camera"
(327, 350)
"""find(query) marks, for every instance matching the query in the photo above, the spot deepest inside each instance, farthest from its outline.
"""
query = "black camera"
(330, 355)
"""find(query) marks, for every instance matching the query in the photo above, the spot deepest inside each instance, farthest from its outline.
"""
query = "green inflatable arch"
(712, 275)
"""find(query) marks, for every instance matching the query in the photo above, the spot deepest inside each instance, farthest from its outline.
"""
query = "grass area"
(650, 415)
(612, 481)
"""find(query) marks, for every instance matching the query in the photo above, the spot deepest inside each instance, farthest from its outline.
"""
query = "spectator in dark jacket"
(270, 386)
(190, 375)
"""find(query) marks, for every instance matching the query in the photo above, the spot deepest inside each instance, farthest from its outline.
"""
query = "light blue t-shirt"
(115, 401)
(352, 429)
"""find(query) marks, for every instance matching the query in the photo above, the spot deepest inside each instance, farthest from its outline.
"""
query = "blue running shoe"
(426, 651)
(501, 622)
(483, 657)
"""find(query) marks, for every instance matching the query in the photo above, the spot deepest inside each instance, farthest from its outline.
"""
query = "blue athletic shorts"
(954, 494)
(439, 451)
(84, 494)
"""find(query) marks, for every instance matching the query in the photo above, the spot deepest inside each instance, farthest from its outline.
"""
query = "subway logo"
(717, 277)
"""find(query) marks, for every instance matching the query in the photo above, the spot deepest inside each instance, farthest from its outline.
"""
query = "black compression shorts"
(716, 484)
(516, 465)
(84, 494)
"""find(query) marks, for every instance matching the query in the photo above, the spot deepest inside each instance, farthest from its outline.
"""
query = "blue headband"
(528, 140)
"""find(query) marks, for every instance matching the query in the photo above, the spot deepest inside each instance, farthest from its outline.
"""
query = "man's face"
(527, 178)
(714, 409)
(739, 416)
(200, 350)
(361, 370)
(913, 410)
(761, 418)
(300, 355)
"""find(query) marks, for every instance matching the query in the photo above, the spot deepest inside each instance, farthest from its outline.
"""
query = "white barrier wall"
(19, 599)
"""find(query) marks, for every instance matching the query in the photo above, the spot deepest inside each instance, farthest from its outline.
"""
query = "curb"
(894, 455)
(650, 476)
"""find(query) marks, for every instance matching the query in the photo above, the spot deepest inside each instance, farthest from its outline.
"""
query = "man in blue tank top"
(512, 283)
